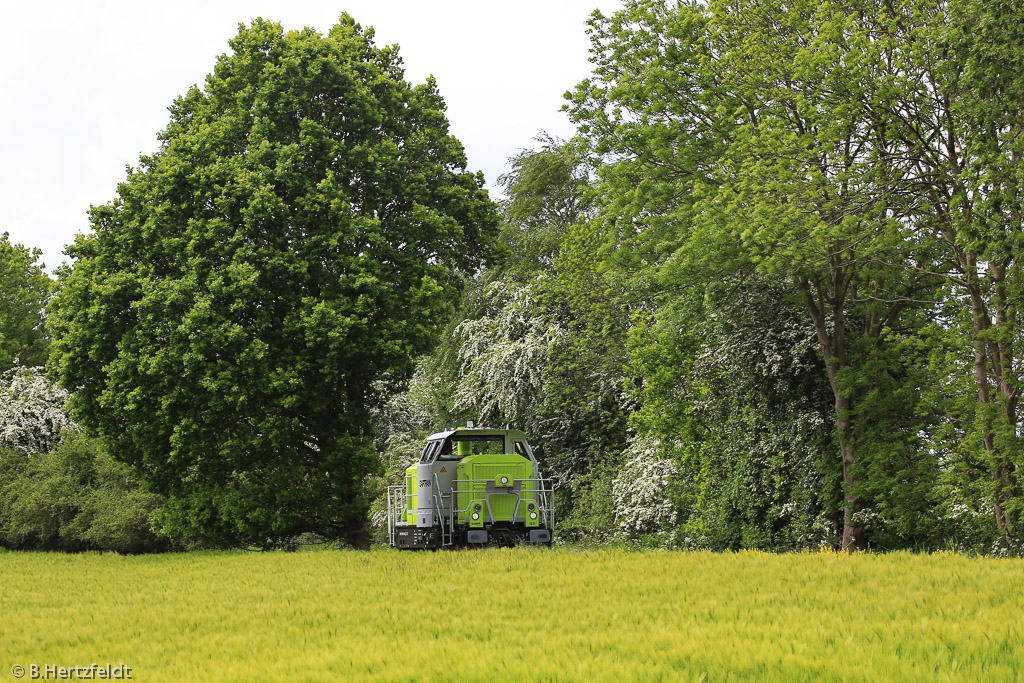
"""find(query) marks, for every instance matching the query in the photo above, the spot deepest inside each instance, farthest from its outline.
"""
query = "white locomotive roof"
(481, 431)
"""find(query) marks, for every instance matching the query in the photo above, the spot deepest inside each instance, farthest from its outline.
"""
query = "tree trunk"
(835, 359)
(1001, 467)
(853, 536)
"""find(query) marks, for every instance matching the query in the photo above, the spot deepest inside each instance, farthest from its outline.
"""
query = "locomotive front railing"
(542, 491)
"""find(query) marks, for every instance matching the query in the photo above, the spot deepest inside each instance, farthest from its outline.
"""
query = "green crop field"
(517, 614)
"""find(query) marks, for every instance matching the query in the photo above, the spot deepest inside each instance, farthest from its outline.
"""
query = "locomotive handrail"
(549, 506)
(439, 513)
(397, 505)
(391, 523)
(544, 505)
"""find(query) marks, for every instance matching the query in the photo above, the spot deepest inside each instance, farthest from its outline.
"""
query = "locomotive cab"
(472, 486)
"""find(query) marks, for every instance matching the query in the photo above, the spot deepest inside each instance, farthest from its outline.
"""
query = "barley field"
(514, 615)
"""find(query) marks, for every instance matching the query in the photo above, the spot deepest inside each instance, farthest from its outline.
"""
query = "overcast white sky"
(86, 85)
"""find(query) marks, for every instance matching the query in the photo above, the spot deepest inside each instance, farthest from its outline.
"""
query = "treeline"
(768, 296)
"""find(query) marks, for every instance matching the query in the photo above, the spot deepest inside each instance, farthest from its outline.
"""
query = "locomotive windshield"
(430, 451)
(458, 447)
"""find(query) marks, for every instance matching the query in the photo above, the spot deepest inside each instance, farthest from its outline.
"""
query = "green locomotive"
(472, 486)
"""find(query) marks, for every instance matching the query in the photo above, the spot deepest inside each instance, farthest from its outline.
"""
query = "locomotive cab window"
(458, 448)
(430, 452)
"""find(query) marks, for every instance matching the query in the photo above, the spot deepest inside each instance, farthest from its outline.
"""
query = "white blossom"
(32, 411)
(504, 356)
(639, 493)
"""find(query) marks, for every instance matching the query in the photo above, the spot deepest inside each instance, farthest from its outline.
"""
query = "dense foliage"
(25, 289)
(783, 309)
(299, 235)
(60, 490)
(75, 497)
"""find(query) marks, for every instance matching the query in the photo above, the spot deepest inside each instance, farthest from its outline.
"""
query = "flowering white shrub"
(504, 355)
(639, 493)
(32, 414)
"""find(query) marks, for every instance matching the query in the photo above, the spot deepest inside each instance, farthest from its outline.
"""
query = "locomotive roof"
(480, 431)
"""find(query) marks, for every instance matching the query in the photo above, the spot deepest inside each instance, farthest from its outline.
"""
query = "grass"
(517, 614)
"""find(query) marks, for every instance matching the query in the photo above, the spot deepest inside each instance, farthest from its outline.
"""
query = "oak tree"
(301, 231)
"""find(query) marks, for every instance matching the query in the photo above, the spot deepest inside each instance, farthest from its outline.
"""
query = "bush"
(73, 498)
(640, 491)
(591, 517)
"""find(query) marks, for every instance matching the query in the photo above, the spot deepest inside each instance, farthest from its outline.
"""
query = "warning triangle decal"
(443, 469)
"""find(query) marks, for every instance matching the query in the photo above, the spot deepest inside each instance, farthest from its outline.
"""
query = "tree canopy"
(301, 232)
(25, 289)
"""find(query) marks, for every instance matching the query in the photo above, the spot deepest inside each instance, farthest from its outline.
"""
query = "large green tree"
(24, 290)
(748, 136)
(300, 233)
(813, 187)
(963, 133)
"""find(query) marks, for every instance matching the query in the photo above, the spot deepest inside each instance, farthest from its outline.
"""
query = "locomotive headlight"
(476, 516)
(533, 515)
(504, 479)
